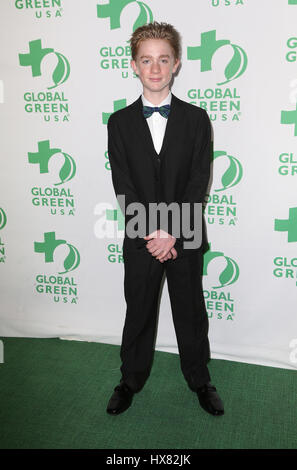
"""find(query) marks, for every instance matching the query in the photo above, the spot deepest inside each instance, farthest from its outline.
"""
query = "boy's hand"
(160, 245)
(172, 254)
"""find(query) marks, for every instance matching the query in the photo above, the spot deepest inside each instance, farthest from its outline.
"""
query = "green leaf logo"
(145, 16)
(229, 275)
(72, 260)
(61, 72)
(236, 66)
(233, 174)
(68, 169)
(3, 219)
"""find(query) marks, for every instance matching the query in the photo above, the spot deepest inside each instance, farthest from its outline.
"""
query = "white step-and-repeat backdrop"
(65, 67)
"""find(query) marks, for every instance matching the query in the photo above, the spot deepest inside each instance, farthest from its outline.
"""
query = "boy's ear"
(176, 65)
(133, 65)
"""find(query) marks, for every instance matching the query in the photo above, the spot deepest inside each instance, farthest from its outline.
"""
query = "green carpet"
(53, 395)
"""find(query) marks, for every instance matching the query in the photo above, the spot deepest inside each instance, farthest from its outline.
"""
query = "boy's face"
(155, 64)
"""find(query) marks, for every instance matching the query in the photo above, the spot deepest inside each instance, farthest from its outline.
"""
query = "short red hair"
(156, 30)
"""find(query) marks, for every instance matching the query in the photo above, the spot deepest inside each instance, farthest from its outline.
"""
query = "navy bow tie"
(163, 110)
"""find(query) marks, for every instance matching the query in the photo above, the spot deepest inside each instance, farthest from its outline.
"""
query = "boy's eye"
(147, 60)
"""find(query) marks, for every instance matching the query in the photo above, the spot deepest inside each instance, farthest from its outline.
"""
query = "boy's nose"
(156, 67)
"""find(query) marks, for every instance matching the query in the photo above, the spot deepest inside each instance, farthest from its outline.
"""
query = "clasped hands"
(161, 245)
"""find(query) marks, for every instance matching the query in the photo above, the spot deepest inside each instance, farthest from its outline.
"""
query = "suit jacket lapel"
(174, 122)
(144, 130)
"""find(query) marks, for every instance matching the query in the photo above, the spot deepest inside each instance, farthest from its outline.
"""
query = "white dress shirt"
(156, 122)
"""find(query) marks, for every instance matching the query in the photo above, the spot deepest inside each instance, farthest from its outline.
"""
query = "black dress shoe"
(120, 400)
(210, 400)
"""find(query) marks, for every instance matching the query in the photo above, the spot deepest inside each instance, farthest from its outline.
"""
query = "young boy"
(159, 152)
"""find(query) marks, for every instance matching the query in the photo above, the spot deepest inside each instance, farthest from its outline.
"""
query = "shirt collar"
(167, 100)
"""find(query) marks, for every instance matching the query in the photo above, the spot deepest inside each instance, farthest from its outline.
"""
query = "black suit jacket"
(179, 173)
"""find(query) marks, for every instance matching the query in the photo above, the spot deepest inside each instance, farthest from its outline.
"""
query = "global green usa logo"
(285, 267)
(3, 218)
(228, 275)
(113, 10)
(218, 301)
(48, 247)
(222, 208)
(45, 154)
(206, 52)
(57, 199)
(34, 58)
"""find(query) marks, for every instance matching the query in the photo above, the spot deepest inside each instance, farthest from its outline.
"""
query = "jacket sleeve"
(121, 178)
(199, 174)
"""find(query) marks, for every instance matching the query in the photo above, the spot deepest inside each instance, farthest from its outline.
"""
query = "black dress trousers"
(142, 281)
